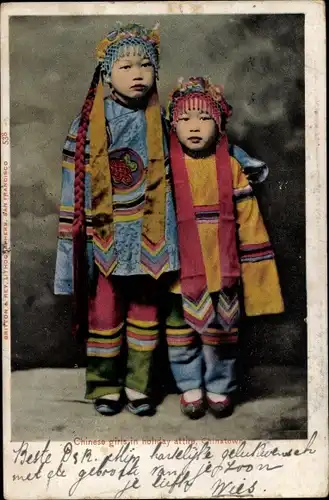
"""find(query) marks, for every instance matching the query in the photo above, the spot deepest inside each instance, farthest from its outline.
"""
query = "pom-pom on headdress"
(128, 40)
(198, 93)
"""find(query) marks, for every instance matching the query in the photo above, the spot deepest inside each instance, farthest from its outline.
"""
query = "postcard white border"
(304, 475)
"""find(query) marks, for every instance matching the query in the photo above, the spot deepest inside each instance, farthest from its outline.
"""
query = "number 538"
(4, 138)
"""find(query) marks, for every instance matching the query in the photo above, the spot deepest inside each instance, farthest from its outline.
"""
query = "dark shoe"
(193, 409)
(221, 409)
(108, 407)
(142, 407)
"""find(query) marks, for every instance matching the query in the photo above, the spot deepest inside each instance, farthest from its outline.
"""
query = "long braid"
(80, 269)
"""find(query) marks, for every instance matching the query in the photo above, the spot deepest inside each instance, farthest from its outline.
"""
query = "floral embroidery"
(126, 168)
(122, 170)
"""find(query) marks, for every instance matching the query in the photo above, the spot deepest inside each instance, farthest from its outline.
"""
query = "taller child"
(117, 214)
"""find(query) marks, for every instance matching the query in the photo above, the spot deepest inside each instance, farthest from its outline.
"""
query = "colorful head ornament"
(198, 93)
(132, 39)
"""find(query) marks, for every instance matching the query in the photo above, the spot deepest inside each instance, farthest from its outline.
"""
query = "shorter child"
(223, 243)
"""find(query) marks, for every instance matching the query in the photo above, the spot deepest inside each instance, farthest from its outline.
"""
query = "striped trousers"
(200, 360)
(123, 334)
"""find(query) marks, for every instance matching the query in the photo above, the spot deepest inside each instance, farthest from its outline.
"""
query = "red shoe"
(193, 409)
(221, 409)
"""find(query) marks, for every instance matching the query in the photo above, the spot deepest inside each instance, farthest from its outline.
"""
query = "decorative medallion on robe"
(127, 170)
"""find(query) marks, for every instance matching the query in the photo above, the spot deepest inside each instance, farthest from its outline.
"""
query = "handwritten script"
(238, 471)
(122, 465)
(219, 471)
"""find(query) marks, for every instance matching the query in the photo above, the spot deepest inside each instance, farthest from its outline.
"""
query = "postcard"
(164, 249)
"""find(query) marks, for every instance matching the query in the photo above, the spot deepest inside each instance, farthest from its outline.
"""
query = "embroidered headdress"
(199, 311)
(128, 40)
(131, 39)
(198, 93)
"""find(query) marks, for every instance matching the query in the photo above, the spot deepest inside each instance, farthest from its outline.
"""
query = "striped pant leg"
(220, 356)
(106, 327)
(142, 334)
(184, 348)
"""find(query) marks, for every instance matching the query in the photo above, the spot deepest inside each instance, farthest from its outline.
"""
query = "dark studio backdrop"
(260, 62)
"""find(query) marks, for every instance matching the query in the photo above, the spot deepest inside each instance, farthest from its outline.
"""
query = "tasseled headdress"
(199, 93)
(130, 39)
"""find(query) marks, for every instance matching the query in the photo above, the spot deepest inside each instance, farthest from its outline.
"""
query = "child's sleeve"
(261, 286)
(63, 283)
(255, 170)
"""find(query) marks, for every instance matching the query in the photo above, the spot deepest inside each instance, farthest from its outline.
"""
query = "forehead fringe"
(127, 50)
(194, 103)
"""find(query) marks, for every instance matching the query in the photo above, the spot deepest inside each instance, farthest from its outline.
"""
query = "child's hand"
(256, 174)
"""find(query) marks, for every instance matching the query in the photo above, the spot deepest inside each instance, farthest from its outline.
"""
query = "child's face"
(132, 76)
(196, 129)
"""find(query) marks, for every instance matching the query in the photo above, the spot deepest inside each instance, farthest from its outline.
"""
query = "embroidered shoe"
(143, 407)
(193, 409)
(108, 407)
(221, 409)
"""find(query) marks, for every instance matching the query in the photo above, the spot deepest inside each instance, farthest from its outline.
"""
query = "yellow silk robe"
(261, 287)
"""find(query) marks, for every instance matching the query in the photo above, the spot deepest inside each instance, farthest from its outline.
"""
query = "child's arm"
(261, 287)
(63, 284)
(255, 170)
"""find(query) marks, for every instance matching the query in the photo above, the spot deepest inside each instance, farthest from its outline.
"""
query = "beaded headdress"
(198, 93)
(132, 39)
